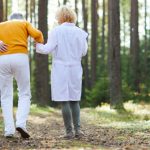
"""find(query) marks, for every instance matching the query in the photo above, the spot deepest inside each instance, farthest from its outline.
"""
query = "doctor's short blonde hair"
(65, 14)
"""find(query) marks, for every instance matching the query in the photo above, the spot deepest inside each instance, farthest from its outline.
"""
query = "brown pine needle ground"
(105, 129)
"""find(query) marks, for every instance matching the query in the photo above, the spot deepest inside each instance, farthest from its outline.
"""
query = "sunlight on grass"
(136, 116)
(35, 110)
(141, 109)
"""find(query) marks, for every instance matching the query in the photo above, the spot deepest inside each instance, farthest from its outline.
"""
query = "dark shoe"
(23, 132)
(79, 134)
(69, 136)
(9, 136)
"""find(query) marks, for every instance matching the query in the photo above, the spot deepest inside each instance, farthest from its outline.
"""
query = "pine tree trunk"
(58, 3)
(94, 20)
(145, 77)
(145, 27)
(65, 1)
(103, 32)
(26, 6)
(41, 61)
(86, 84)
(5, 7)
(1, 10)
(114, 53)
(134, 47)
(76, 10)
(103, 38)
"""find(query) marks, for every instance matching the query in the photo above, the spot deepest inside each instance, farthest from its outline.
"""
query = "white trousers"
(17, 66)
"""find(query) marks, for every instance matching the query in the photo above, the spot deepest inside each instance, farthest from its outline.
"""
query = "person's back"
(71, 43)
(15, 33)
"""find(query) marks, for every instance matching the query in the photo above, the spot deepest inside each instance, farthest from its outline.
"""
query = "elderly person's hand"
(3, 47)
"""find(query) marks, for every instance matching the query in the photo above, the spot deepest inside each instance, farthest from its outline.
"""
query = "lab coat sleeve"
(85, 45)
(49, 46)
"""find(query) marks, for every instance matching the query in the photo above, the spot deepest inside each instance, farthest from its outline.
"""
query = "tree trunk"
(58, 3)
(124, 26)
(76, 10)
(65, 1)
(145, 77)
(103, 37)
(94, 20)
(41, 61)
(1, 10)
(26, 6)
(5, 10)
(114, 53)
(86, 84)
(134, 47)
(145, 27)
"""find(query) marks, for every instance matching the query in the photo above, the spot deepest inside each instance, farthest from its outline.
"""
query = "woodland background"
(115, 112)
(117, 66)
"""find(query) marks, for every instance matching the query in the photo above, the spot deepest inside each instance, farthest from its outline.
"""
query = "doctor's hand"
(35, 44)
(3, 47)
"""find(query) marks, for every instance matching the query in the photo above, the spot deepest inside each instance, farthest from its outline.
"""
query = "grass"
(136, 116)
(36, 110)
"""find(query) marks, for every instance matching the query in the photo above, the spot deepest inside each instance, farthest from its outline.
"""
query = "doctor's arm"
(49, 46)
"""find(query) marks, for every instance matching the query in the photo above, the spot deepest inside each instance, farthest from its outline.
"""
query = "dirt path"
(46, 131)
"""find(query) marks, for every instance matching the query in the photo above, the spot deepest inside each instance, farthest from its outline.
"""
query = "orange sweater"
(15, 34)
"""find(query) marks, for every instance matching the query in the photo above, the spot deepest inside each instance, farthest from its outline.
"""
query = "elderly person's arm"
(3, 47)
(49, 46)
(35, 33)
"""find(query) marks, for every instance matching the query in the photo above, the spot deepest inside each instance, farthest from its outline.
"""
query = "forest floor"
(104, 128)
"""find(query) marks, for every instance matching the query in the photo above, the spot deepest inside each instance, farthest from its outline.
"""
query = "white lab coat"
(68, 44)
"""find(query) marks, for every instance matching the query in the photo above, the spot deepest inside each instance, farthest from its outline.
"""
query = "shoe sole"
(79, 136)
(68, 138)
(9, 136)
(24, 134)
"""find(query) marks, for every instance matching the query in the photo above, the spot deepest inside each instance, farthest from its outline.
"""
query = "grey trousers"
(71, 114)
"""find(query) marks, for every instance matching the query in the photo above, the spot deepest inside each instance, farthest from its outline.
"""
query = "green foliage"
(129, 94)
(99, 93)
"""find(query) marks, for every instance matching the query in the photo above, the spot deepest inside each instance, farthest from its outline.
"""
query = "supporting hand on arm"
(3, 47)
(49, 46)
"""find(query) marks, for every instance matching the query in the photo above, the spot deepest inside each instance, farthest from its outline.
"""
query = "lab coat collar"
(68, 24)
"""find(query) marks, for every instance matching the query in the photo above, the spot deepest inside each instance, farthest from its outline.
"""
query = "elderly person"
(15, 63)
(68, 44)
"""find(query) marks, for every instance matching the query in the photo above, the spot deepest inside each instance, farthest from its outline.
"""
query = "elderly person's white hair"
(65, 14)
(16, 15)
